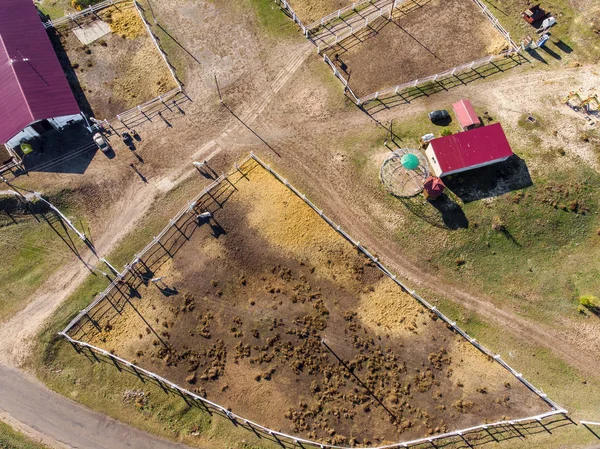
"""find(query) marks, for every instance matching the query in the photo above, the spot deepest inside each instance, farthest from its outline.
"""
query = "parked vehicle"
(439, 115)
(101, 142)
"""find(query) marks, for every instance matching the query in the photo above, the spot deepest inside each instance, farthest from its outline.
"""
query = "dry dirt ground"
(312, 10)
(117, 72)
(420, 41)
(299, 111)
(259, 286)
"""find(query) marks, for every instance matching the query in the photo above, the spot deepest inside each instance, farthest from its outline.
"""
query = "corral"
(265, 309)
(311, 10)
(116, 72)
(423, 38)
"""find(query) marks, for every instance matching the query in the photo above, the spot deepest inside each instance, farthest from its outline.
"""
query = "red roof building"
(468, 150)
(466, 115)
(33, 86)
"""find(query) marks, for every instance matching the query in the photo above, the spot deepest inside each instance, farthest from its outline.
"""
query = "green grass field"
(32, 248)
(11, 439)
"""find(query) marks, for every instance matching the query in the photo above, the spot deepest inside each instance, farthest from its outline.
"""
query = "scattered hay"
(389, 308)
(127, 24)
(147, 65)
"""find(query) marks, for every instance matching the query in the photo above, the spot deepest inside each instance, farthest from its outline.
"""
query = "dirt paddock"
(424, 38)
(116, 72)
(312, 10)
(245, 301)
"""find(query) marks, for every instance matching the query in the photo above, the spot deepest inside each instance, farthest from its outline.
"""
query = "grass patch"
(273, 22)
(11, 439)
(33, 247)
(575, 28)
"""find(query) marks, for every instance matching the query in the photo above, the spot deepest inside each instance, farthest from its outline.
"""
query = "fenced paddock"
(122, 297)
(169, 101)
(434, 37)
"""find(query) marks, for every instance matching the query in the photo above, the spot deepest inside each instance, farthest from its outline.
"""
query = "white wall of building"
(60, 122)
(57, 122)
(27, 133)
(435, 165)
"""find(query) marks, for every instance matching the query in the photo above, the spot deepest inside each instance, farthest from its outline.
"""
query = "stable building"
(466, 115)
(34, 93)
(468, 150)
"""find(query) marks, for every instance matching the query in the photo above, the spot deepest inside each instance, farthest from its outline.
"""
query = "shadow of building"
(492, 180)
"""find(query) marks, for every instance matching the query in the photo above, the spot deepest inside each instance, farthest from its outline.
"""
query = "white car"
(101, 142)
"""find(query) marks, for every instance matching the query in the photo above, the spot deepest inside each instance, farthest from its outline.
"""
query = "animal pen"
(121, 298)
(356, 23)
(147, 111)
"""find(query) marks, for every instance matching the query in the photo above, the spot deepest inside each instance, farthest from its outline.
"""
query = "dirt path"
(16, 335)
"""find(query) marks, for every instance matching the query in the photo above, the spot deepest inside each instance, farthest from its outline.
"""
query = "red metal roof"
(32, 83)
(465, 113)
(478, 146)
(434, 185)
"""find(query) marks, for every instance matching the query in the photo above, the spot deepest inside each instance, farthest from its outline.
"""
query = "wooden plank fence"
(462, 435)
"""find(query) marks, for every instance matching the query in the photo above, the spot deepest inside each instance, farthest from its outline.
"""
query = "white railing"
(330, 37)
(160, 50)
(150, 109)
(337, 14)
(339, 76)
(85, 12)
(155, 241)
(497, 24)
(283, 4)
(438, 77)
(459, 434)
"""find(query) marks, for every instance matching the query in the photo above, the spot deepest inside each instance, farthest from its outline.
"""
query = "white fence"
(153, 37)
(339, 76)
(438, 77)
(337, 14)
(329, 37)
(283, 4)
(459, 435)
(85, 12)
(497, 25)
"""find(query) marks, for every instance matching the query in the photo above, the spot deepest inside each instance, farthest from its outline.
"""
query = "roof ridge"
(9, 59)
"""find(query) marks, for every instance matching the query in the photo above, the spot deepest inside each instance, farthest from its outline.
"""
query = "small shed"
(34, 93)
(468, 150)
(466, 115)
(433, 188)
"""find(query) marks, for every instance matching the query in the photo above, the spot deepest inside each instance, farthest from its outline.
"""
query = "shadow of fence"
(124, 289)
(469, 438)
(459, 78)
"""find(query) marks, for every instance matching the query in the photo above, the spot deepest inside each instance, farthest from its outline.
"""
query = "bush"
(591, 303)
(446, 132)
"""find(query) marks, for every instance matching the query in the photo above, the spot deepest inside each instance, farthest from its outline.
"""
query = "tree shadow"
(490, 181)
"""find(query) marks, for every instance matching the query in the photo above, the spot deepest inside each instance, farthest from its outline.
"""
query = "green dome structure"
(404, 172)
(410, 161)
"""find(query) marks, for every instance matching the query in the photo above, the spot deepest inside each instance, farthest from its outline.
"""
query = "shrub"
(446, 132)
(591, 303)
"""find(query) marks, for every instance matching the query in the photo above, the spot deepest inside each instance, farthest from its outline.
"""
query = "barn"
(35, 96)
(466, 115)
(468, 150)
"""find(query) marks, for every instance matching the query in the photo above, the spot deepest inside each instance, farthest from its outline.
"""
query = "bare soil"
(418, 42)
(312, 10)
(117, 72)
(258, 289)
